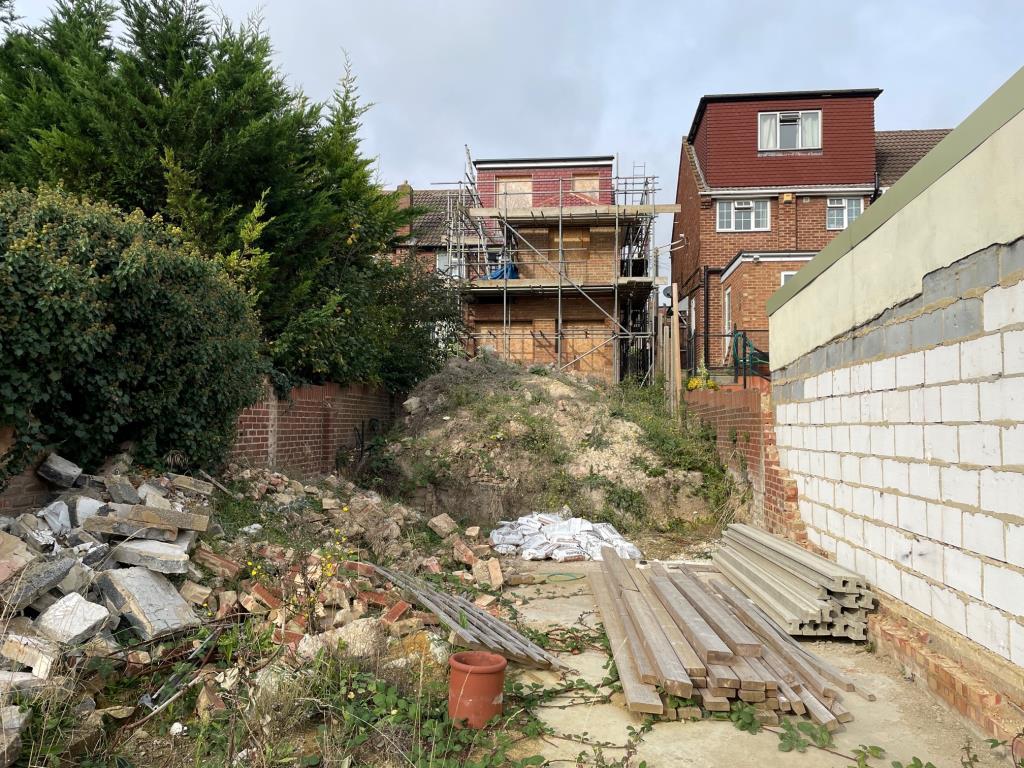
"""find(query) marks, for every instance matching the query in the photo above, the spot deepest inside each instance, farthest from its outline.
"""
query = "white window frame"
(784, 275)
(727, 310)
(778, 129)
(744, 204)
(842, 203)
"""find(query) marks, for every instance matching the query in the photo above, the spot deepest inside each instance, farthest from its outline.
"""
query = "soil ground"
(904, 720)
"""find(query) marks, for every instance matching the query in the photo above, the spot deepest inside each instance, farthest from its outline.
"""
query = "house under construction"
(559, 263)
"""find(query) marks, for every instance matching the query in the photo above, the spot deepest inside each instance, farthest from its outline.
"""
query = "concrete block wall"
(905, 437)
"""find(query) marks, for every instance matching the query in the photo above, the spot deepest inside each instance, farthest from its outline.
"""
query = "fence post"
(677, 373)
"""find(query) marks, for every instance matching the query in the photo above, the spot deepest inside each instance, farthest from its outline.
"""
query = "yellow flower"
(351, 694)
(345, 508)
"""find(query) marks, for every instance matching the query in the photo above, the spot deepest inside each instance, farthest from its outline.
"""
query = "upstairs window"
(586, 186)
(789, 130)
(742, 216)
(841, 212)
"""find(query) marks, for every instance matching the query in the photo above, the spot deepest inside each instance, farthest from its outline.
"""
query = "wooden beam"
(672, 675)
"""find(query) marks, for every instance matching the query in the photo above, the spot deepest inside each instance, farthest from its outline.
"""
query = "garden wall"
(306, 431)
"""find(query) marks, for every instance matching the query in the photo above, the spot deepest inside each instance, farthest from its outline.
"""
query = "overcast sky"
(550, 77)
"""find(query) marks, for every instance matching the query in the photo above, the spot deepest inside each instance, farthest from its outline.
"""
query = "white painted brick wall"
(1003, 306)
(1013, 352)
(942, 364)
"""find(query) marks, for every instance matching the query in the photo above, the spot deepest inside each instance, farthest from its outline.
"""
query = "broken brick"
(462, 552)
(432, 565)
(395, 612)
(443, 525)
(287, 637)
(14, 555)
(265, 596)
(363, 569)
(495, 576)
(216, 564)
(485, 601)
(375, 598)
(227, 602)
(197, 594)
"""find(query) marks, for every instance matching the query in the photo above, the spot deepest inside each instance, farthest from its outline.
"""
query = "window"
(841, 212)
(785, 277)
(514, 192)
(586, 186)
(442, 261)
(789, 130)
(727, 310)
(743, 216)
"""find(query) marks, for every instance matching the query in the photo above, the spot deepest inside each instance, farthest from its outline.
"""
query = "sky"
(527, 78)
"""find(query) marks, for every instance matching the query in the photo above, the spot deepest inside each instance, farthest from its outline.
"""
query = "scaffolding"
(580, 242)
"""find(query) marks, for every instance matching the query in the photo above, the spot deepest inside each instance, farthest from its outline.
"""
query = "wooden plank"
(687, 654)
(673, 677)
(749, 679)
(841, 713)
(721, 676)
(740, 640)
(818, 712)
(710, 702)
(758, 665)
(645, 668)
(639, 696)
(774, 638)
(614, 566)
(706, 643)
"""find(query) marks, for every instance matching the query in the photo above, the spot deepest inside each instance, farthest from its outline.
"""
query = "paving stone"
(35, 579)
(71, 620)
(115, 526)
(14, 556)
(149, 601)
(37, 653)
(59, 471)
(170, 518)
(443, 525)
(186, 483)
(160, 556)
(121, 490)
(57, 516)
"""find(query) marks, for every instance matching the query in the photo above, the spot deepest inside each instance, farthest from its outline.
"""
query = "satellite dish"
(667, 291)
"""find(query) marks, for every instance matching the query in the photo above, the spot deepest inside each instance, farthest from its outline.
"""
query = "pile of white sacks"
(545, 535)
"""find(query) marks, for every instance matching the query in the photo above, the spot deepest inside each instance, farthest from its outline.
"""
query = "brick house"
(766, 180)
(557, 259)
(427, 237)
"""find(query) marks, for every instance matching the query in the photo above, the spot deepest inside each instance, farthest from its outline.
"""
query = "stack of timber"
(683, 639)
(805, 594)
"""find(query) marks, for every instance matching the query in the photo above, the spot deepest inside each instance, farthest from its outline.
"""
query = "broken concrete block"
(14, 556)
(473, 532)
(71, 620)
(121, 490)
(13, 721)
(57, 516)
(37, 653)
(186, 483)
(480, 573)
(495, 576)
(158, 502)
(59, 471)
(443, 525)
(151, 489)
(148, 600)
(432, 565)
(405, 627)
(480, 550)
(462, 552)
(79, 579)
(196, 594)
(44, 601)
(328, 503)
(96, 556)
(115, 526)
(34, 532)
(217, 564)
(34, 580)
(485, 601)
(159, 556)
(85, 507)
(18, 683)
(169, 518)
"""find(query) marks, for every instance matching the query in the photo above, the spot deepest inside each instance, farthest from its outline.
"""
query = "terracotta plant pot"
(475, 687)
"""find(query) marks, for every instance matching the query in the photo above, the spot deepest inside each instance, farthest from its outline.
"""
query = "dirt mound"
(486, 440)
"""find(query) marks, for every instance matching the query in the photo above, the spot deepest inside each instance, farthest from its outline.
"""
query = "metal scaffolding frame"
(485, 245)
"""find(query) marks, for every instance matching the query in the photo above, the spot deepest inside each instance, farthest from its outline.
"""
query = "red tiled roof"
(896, 152)
(430, 228)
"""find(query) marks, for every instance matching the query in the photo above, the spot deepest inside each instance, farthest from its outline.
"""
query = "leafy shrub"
(111, 329)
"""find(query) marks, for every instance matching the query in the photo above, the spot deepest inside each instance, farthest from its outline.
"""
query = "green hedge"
(113, 329)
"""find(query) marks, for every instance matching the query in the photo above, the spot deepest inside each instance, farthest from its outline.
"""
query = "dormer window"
(789, 130)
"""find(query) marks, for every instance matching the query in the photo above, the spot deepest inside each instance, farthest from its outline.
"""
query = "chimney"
(405, 201)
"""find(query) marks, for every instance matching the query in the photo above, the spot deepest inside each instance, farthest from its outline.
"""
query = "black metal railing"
(728, 354)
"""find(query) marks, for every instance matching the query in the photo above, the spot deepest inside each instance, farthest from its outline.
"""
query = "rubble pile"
(142, 555)
(560, 537)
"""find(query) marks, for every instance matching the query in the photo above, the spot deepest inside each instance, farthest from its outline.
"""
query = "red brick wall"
(26, 492)
(752, 283)
(546, 184)
(745, 435)
(726, 143)
(305, 432)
